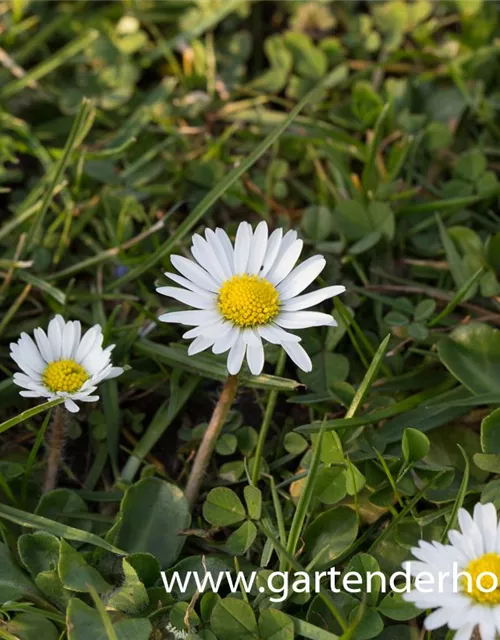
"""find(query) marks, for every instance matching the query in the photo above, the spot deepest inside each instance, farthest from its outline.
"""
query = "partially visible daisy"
(63, 364)
(469, 600)
(248, 293)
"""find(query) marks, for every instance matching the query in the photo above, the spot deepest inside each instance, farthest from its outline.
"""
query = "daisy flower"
(63, 364)
(469, 571)
(247, 294)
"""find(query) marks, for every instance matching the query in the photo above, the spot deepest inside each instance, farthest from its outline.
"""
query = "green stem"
(271, 404)
(209, 440)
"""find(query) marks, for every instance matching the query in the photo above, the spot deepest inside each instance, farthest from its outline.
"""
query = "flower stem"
(209, 440)
(57, 440)
(266, 422)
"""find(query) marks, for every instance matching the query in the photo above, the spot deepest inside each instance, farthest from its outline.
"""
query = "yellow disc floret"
(64, 375)
(248, 301)
(481, 587)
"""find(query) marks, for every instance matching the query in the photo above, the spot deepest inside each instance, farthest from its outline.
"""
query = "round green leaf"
(223, 507)
(330, 534)
(415, 445)
(275, 625)
(472, 355)
(490, 433)
(394, 607)
(242, 539)
(233, 619)
(153, 513)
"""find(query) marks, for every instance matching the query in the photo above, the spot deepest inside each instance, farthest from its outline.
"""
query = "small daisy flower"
(466, 576)
(63, 364)
(248, 293)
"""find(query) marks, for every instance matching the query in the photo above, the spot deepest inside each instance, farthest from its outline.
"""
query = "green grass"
(372, 129)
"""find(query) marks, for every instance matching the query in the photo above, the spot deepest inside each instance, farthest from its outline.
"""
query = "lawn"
(364, 132)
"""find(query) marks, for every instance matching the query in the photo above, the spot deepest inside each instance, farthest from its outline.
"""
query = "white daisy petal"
(304, 319)
(255, 358)
(43, 344)
(311, 299)
(207, 258)
(299, 355)
(31, 394)
(68, 340)
(225, 342)
(200, 344)
(227, 246)
(187, 284)
(276, 335)
(55, 337)
(219, 251)
(190, 318)
(257, 249)
(285, 264)
(242, 247)
(216, 330)
(87, 343)
(301, 277)
(194, 272)
(465, 632)
(199, 301)
(437, 619)
(71, 406)
(30, 354)
(272, 250)
(236, 355)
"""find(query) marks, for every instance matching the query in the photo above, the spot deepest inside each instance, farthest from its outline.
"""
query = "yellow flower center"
(478, 586)
(248, 301)
(64, 375)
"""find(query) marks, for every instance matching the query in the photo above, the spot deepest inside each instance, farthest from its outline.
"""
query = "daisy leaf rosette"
(246, 294)
(462, 579)
(62, 363)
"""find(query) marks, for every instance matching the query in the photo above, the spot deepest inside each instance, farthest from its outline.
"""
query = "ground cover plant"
(371, 130)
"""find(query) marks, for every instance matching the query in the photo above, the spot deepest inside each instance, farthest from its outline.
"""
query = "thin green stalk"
(49, 65)
(26, 415)
(305, 499)
(266, 422)
(80, 128)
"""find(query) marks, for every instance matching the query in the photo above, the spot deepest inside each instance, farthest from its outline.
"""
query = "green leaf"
(233, 619)
(394, 607)
(489, 462)
(275, 625)
(153, 513)
(38, 551)
(253, 500)
(14, 583)
(31, 521)
(490, 433)
(32, 626)
(76, 574)
(242, 539)
(362, 564)
(223, 507)
(472, 354)
(317, 222)
(330, 487)
(84, 623)
(415, 445)
(131, 596)
(330, 534)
